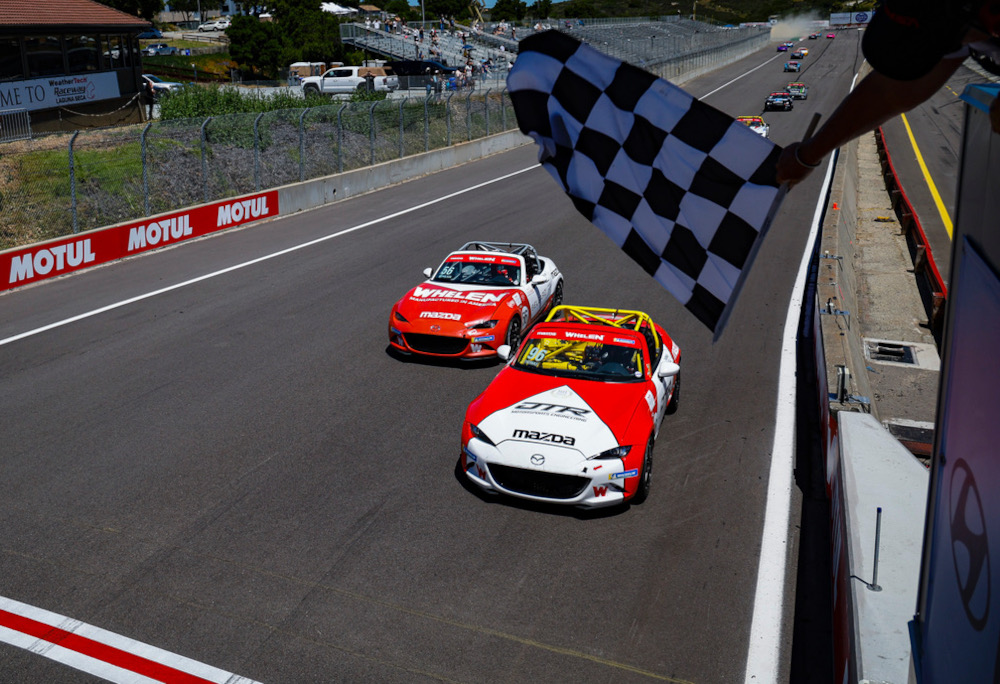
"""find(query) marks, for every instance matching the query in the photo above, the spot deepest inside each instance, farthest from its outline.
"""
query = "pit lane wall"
(61, 256)
(877, 488)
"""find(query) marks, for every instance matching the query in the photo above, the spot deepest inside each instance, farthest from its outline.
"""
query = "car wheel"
(646, 478)
(513, 333)
(557, 296)
(311, 90)
(675, 398)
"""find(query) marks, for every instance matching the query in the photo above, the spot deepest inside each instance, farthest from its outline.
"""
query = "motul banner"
(64, 255)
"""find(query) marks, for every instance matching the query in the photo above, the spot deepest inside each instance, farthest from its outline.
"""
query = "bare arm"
(877, 99)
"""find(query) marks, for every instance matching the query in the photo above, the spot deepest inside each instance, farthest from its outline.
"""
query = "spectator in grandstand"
(914, 47)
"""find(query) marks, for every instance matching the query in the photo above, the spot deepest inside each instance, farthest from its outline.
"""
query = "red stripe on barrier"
(25, 265)
(936, 275)
(96, 649)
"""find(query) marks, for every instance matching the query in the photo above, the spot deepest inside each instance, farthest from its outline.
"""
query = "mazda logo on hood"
(537, 459)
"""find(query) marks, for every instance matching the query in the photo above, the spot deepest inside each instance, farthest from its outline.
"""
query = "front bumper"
(585, 483)
(466, 344)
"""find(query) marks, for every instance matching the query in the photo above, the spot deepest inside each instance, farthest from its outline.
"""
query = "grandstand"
(670, 46)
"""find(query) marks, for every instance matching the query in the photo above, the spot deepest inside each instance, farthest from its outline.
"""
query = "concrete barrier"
(341, 186)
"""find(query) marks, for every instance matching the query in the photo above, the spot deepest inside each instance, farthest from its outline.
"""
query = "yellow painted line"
(930, 182)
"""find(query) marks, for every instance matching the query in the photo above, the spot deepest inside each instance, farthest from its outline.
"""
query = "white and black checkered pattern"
(682, 188)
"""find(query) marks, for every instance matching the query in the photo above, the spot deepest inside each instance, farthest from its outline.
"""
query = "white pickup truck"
(347, 79)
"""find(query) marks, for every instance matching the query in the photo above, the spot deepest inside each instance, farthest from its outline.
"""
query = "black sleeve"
(907, 38)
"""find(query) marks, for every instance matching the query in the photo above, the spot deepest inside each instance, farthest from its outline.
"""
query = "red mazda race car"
(571, 419)
(482, 296)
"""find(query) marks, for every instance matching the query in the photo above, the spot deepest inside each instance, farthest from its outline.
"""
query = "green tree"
(400, 8)
(446, 8)
(307, 32)
(508, 9)
(542, 9)
(191, 7)
(255, 44)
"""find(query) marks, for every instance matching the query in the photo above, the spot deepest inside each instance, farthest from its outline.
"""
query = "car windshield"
(503, 272)
(590, 359)
(154, 79)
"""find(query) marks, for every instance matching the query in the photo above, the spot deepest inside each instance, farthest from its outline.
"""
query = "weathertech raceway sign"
(26, 265)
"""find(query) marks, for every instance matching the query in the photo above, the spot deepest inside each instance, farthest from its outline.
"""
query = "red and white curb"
(100, 652)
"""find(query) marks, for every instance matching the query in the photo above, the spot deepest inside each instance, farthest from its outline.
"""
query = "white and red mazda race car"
(572, 417)
(484, 295)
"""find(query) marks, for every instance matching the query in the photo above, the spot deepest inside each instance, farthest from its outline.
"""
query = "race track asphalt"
(237, 471)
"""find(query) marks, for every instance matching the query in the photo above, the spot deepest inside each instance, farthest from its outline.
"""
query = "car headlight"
(399, 317)
(617, 452)
(483, 325)
(479, 434)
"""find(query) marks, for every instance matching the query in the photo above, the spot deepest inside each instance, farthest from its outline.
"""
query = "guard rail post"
(256, 153)
(427, 124)
(340, 139)
(447, 115)
(302, 145)
(468, 116)
(486, 105)
(204, 160)
(145, 169)
(402, 151)
(371, 132)
(72, 181)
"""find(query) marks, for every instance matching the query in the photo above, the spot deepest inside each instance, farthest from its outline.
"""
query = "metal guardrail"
(59, 184)
(15, 124)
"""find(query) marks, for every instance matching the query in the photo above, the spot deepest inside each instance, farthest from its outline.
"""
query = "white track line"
(766, 628)
(289, 250)
(99, 652)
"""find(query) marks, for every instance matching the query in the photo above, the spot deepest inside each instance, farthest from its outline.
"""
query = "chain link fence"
(59, 184)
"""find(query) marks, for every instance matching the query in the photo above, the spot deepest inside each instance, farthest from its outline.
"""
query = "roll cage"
(618, 318)
(532, 263)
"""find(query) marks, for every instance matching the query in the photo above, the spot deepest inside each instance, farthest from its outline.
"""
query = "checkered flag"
(682, 188)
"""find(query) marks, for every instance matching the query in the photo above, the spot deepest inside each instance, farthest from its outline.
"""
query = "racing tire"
(646, 478)
(513, 337)
(557, 296)
(675, 398)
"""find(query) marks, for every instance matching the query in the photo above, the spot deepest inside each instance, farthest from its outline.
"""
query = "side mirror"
(503, 351)
(540, 279)
(668, 370)
(427, 272)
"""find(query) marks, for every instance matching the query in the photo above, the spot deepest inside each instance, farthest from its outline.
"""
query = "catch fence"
(59, 184)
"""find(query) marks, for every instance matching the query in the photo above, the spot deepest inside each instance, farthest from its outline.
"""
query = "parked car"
(160, 86)
(160, 49)
(347, 79)
(150, 34)
(215, 25)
